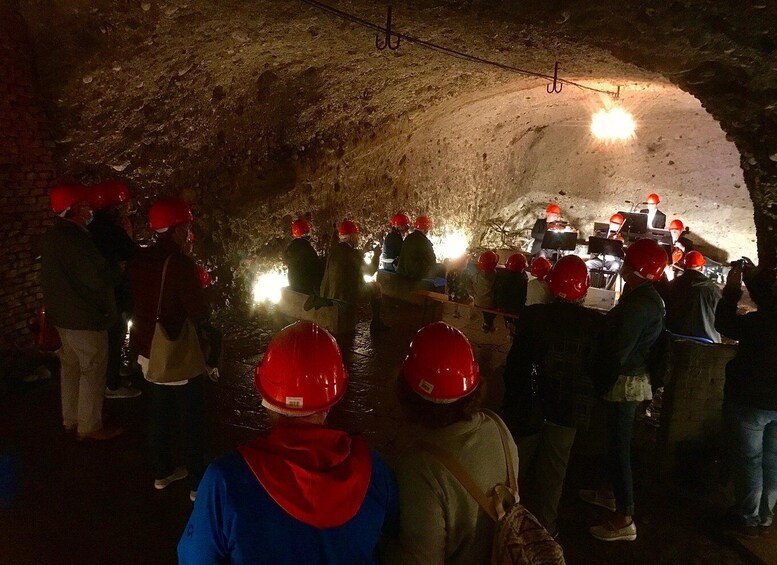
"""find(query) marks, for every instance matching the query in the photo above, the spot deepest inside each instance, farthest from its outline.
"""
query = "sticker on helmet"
(426, 386)
(294, 401)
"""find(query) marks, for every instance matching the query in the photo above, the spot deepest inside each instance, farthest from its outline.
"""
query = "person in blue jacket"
(305, 493)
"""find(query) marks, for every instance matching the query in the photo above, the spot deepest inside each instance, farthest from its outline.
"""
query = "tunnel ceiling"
(258, 111)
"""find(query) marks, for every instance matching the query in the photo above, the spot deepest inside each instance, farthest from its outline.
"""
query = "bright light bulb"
(612, 125)
(450, 245)
(268, 285)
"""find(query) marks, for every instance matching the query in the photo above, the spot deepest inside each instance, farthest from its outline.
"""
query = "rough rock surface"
(259, 111)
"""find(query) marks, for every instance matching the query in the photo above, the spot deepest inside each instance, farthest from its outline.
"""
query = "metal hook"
(387, 42)
(557, 86)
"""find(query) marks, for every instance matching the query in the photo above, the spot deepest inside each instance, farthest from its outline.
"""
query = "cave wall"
(26, 172)
(260, 111)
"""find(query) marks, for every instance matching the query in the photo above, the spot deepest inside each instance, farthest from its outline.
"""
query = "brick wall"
(26, 172)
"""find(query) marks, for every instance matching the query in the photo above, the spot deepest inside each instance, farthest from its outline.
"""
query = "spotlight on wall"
(450, 244)
(612, 125)
(267, 286)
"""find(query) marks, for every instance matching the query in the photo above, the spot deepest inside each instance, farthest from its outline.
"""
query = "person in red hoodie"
(305, 493)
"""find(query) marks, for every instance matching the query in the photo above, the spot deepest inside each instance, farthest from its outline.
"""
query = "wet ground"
(95, 503)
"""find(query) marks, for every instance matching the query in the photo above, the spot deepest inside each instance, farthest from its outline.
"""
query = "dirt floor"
(95, 503)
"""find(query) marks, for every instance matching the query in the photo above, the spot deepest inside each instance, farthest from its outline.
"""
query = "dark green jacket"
(417, 260)
(77, 281)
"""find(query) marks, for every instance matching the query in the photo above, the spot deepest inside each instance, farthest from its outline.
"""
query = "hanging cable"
(451, 52)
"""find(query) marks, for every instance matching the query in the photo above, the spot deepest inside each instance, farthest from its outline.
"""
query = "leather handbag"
(46, 335)
(173, 360)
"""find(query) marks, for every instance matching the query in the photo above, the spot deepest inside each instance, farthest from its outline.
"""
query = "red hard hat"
(553, 209)
(423, 223)
(300, 227)
(569, 278)
(108, 194)
(400, 220)
(676, 225)
(64, 196)
(169, 212)
(647, 258)
(652, 199)
(693, 260)
(440, 366)
(488, 261)
(302, 371)
(347, 227)
(516, 263)
(204, 276)
(540, 267)
(616, 219)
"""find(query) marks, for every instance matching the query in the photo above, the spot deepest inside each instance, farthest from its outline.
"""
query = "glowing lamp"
(267, 286)
(614, 124)
(450, 245)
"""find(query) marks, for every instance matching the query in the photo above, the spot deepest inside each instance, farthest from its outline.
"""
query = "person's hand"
(213, 374)
(734, 279)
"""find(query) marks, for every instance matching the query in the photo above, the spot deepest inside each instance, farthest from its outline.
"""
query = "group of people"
(93, 275)
(340, 276)
(310, 493)
(616, 229)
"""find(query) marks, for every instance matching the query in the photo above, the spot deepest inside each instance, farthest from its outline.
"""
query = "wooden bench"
(339, 318)
(403, 288)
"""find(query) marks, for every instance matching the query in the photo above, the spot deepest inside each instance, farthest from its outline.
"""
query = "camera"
(738, 263)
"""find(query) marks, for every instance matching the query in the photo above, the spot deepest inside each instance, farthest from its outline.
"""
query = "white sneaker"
(177, 475)
(122, 392)
(604, 533)
(192, 495)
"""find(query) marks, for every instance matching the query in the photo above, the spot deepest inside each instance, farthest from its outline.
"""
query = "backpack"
(518, 537)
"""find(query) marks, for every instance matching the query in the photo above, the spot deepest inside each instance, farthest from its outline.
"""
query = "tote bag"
(173, 360)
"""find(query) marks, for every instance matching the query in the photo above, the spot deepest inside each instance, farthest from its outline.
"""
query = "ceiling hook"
(381, 45)
(557, 85)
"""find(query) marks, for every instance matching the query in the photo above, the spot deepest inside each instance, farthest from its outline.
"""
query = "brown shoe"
(106, 432)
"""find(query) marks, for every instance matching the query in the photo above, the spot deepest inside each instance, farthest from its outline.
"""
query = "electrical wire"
(448, 51)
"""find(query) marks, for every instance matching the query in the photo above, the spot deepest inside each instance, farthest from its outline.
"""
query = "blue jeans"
(752, 436)
(620, 430)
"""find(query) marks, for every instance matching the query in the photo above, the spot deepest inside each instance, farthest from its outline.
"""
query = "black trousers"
(181, 407)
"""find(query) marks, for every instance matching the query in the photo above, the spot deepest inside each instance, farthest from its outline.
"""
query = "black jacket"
(537, 233)
(116, 247)
(691, 300)
(510, 291)
(558, 343)
(630, 330)
(305, 266)
(751, 376)
(659, 221)
(77, 281)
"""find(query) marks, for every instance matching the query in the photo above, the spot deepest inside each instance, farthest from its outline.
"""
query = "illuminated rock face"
(261, 111)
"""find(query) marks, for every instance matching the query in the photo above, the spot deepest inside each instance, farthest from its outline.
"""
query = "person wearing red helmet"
(537, 290)
(78, 295)
(631, 329)
(441, 389)
(392, 244)
(510, 287)
(691, 299)
(554, 349)
(483, 286)
(551, 221)
(344, 275)
(681, 243)
(166, 289)
(305, 492)
(109, 200)
(603, 265)
(305, 268)
(418, 260)
(656, 218)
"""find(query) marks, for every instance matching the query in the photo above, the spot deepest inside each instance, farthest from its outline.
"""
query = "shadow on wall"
(708, 249)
